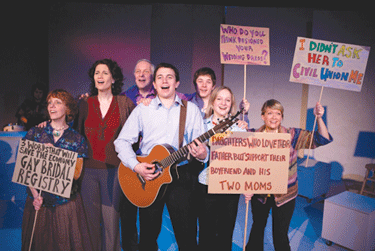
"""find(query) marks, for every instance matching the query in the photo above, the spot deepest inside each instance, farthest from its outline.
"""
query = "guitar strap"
(181, 131)
(182, 122)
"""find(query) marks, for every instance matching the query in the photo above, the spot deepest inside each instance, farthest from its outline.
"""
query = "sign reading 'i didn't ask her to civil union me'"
(329, 64)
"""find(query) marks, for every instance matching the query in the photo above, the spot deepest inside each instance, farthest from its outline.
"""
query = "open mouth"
(165, 87)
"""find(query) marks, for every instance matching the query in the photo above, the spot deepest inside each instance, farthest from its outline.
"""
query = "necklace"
(56, 131)
(276, 131)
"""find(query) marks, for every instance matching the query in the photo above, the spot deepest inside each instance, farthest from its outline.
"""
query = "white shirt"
(158, 125)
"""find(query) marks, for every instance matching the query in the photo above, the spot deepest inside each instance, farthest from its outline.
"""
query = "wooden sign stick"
(244, 88)
(244, 83)
(32, 232)
(312, 134)
(245, 230)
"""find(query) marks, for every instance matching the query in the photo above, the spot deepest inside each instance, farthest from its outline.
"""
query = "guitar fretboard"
(183, 151)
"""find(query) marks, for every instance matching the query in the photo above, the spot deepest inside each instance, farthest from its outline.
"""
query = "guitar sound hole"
(158, 167)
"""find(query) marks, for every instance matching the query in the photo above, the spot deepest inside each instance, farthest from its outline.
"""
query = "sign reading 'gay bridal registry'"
(44, 167)
(329, 64)
(246, 162)
(244, 45)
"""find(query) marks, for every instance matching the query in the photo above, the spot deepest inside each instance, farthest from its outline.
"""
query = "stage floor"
(304, 232)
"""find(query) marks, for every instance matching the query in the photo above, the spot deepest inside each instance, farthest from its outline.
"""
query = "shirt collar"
(208, 120)
(198, 101)
(158, 103)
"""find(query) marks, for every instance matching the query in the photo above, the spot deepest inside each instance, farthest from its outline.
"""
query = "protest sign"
(43, 167)
(329, 64)
(244, 45)
(246, 162)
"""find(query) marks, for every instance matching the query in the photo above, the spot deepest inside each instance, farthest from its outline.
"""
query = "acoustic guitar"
(141, 192)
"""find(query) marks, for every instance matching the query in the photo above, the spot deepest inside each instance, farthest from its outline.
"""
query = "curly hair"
(70, 103)
(116, 72)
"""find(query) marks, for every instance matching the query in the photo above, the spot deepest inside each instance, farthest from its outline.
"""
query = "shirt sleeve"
(30, 134)
(83, 148)
(127, 137)
(195, 126)
(301, 139)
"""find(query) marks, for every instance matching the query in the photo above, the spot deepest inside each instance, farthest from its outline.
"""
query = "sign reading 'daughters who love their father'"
(249, 162)
(244, 45)
(329, 64)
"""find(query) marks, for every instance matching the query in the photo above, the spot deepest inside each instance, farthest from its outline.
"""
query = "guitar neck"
(183, 151)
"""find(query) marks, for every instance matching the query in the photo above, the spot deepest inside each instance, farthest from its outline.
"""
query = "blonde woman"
(282, 205)
(217, 212)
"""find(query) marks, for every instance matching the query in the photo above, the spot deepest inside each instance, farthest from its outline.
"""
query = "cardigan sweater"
(102, 132)
(300, 139)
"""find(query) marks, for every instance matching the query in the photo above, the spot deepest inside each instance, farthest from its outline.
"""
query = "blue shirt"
(158, 125)
(70, 140)
(133, 93)
(195, 99)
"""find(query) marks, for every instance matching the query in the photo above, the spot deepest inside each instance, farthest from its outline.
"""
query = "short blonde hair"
(215, 92)
(273, 104)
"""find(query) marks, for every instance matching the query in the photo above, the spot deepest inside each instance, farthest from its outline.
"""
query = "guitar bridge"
(158, 168)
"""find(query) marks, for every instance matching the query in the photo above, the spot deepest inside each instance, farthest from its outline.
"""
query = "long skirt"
(63, 227)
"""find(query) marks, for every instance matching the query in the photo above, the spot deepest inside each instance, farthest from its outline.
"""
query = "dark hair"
(68, 100)
(166, 65)
(115, 72)
(204, 71)
(39, 86)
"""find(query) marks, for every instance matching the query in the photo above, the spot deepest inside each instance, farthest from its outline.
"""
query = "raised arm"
(322, 128)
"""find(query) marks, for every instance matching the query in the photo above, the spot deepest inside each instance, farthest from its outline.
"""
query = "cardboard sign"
(246, 162)
(244, 45)
(43, 167)
(329, 64)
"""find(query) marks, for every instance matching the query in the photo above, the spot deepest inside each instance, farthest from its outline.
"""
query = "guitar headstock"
(227, 122)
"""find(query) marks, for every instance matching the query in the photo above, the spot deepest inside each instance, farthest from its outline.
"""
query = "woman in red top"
(100, 120)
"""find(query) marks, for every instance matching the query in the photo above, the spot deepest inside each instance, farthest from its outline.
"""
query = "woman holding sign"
(217, 212)
(282, 204)
(56, 222)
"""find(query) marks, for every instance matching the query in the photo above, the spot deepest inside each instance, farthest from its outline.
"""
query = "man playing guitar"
(159, 124)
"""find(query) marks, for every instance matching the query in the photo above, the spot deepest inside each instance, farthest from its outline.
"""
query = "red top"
(102, 132)
(99, 131)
